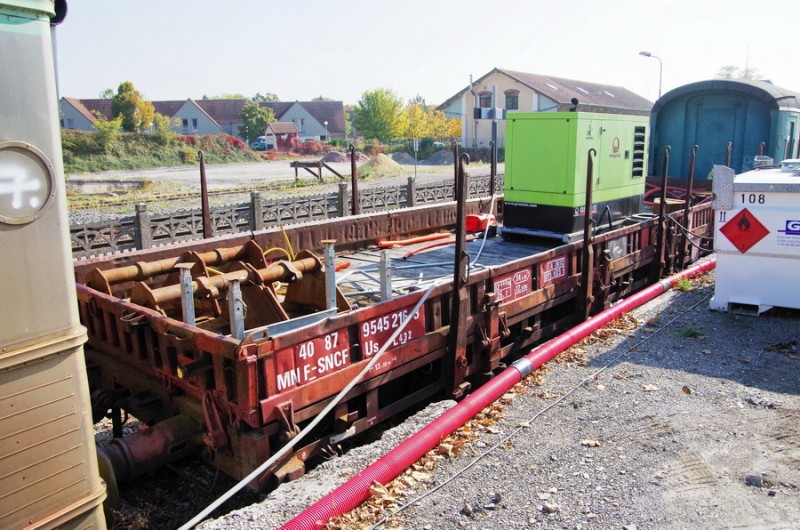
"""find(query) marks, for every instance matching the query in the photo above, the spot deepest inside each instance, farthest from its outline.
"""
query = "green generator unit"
(546, 164)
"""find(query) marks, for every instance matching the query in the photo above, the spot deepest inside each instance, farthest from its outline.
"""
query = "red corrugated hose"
(356, 490)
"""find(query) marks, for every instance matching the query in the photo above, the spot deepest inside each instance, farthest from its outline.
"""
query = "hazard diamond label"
(744, 230)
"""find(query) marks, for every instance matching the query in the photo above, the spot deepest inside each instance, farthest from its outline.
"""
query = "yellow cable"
(280, 250)
(288, 243)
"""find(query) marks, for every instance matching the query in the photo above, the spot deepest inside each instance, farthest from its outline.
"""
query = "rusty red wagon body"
(248, 396)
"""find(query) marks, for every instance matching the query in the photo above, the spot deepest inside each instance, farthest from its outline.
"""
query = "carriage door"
(713, 120)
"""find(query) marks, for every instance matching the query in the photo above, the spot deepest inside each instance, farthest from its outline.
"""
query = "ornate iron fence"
(144, 230)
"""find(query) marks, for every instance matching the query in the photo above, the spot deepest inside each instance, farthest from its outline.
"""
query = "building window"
(485, 100)
(194, 124)
(185, 124)
(512, 99)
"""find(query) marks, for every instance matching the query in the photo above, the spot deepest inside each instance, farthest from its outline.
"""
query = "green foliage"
(136, 112)
(161, 129)
(141, 151)
(690, 332)
(188, 155)
(255, 119)
(108, 93)
(377, 115)
(684, 284)
(269, 96)
(230, 96)
(106, 132)
(734, 72)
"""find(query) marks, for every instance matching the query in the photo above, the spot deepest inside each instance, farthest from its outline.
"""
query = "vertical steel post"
(492, 168)
(661, 242)
(386, 276)
(459, 309)
(761, 148)
(356, 206)
(587, 259)
(330, 273)
(728, 150)
(207, 228)
(236, 310)
(187, 293)
(687, 222)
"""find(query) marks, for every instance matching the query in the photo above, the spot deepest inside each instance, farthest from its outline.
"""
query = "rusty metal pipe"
(279, 271)
(167, 441)
(728, 150)
(208, 229)
(587, 258)
(356, 206)
(662, 235)
(687, 205)
(147, 269)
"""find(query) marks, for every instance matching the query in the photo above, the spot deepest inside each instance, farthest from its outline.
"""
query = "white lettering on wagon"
(309, 360)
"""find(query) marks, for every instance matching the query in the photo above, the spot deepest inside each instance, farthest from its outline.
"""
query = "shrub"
(313, 148)
(188, 156)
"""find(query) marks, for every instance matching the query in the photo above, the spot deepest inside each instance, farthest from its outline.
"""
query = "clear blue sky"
(300, 49)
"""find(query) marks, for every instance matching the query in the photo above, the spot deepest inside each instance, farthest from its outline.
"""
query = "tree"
(377, 114)
(265, 98)
(734, 72)
(415, 121)
(108, 93)
(322, 98)
(227, 96)
(255, 119)
(136, 112)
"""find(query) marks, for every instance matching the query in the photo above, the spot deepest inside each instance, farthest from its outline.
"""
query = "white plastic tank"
(757, 237)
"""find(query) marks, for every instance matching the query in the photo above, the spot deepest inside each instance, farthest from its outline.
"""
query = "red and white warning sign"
(513, 285)
(744, 230)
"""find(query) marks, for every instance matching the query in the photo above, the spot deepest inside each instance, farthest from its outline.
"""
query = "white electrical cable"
(285, 449)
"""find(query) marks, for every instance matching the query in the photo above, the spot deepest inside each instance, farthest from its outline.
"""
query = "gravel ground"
(679, 417)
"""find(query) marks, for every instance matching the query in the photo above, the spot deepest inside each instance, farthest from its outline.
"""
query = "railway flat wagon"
(229, 348)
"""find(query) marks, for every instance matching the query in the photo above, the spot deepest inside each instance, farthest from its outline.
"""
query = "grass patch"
(690, 332)
(683, 284)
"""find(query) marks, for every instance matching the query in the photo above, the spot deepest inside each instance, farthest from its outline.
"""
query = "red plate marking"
(513, 285)
(744, 230)
(552, 271)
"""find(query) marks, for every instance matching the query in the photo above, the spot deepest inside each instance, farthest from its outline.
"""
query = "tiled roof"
(227, 111)
(168, 108)
(80, 107)
(588, 93)
(103, 106)
(222, 110)
(562, 91)
(279, 108)
(281, 127)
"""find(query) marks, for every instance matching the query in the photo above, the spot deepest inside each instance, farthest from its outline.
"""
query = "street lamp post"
(326, 130)
(660, 68)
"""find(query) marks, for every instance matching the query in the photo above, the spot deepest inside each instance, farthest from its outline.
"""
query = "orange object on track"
(479, 222)
(341, 265)
(433, 245)
(413, 240)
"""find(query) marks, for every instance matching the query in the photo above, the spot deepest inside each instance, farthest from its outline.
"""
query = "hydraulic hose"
(356, 490)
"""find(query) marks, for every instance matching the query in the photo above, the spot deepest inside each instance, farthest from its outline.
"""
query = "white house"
(500, 92)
